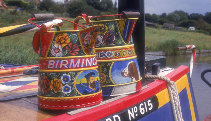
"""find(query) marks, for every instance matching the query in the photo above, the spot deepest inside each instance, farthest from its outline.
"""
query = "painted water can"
(117, 60)
(68, 75)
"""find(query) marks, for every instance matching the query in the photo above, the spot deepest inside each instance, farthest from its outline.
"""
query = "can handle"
(42, 17)
(124, 14)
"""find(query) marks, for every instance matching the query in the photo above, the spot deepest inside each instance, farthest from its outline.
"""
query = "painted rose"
(45, 84)
(56, 85)
(87, 39)
(72, 49)
(99, 41)
(56, 51)
(109, 38)
(62, 39)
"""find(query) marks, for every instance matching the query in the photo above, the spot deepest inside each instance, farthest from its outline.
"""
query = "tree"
(155, 18)
(106, 5)
(207, 17)
(78, 7)
(94, 3)
(148, 17)
(50, 6)
(163, 15)
(195, 16)
(177, 16)
(46, 4)
(187, 23)
(203, 25)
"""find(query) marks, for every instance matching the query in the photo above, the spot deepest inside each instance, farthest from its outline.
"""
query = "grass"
(156, 39)
(18, 48)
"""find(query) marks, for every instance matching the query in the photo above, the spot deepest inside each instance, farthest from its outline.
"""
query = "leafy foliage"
(18, 3)
(169, 46)
(78, 7)
(50, 6)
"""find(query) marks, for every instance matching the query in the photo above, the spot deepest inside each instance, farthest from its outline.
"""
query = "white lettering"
(131, 114)
(145, 105)
(150, 104)
(142, 111)
(57, 63)
(76, 64)
(82, 62)
(51, 63)
(94, 61)
(108, 119)
(64, 63)
(116, 117)
(88, 62)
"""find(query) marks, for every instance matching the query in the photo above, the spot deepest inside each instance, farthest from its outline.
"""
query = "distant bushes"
(90, 7)
(8, 18)
(18, 3)
(169, 46)
(183, 19)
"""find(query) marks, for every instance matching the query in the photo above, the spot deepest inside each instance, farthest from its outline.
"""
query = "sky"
(167, 6)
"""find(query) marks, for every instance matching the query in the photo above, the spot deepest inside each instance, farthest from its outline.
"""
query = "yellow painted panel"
(4, 29)
(182, 83)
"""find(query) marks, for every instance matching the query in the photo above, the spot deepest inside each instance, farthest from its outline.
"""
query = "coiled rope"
(173, 93)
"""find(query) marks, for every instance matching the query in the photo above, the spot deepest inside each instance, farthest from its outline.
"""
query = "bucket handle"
(42, 17)
(124, 14)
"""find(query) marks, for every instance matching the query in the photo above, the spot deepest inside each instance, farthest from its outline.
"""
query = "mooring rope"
(173, 93)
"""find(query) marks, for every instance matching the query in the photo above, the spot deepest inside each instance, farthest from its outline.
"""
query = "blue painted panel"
(162, 114)
(165, 113)
(127, 29)
(185, 106)
(193, 97)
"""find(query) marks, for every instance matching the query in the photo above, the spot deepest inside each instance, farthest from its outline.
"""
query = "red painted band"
(70, 63)
(71, 103)
(130, 100)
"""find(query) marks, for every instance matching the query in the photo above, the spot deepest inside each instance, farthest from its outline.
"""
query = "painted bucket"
(68, 75)
(117, 60)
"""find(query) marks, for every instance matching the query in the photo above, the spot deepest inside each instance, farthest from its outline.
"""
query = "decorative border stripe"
(68, 103)
(68, 57)
(66, 70)
(113, 20)
(114, 47)
(62, 98)
(67, 63)
(118, 59)
(115, 53)
(120, 84)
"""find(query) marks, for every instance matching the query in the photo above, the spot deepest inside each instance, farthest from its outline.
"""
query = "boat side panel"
(185, 84)
(129, 101)
(193, 97)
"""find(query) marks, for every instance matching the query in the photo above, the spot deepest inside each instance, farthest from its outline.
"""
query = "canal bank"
(201, 90)
(182, 52)
(202, 62)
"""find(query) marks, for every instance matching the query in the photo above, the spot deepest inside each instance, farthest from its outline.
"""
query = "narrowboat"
(167, 95)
